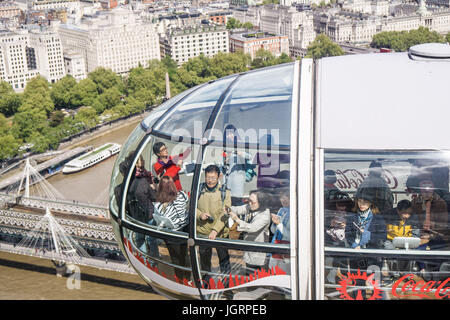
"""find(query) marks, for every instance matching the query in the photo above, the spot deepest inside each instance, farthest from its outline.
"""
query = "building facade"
(288, 21)
(183, 44)
(48, 54)
(25, 55)
(74, 64)
(250, 43)
(115, 40)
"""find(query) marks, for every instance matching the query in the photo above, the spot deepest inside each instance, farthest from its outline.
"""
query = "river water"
(92, 184)
(24, 278)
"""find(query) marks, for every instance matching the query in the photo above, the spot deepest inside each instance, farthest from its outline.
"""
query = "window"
(386, 213)
(144, 204)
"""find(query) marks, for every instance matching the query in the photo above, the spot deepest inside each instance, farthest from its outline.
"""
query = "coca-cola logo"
(410, 286)
(351, 178)
(405, 287)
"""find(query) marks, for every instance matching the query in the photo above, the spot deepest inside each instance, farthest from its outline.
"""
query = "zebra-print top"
(176, 210)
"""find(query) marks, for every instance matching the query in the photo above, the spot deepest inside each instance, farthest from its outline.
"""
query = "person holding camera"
(211, 220)
(168, 165)
(254, 219)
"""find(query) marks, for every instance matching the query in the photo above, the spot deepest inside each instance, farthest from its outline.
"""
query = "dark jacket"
(140, 199)
(373, 235)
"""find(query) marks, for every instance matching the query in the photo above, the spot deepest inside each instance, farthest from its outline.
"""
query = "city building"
(114, 39)
(359, 28)
(69, 5)
(17, 60)
(9, 10)
(183, 44)
(250, 43)
(108, 4)
(74, 64)
(298, 26)
(48, 54)
(220, 17)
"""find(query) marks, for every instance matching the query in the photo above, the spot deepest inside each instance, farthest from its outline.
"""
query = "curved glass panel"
(240, 200)
(259, 105)
(159, 111)
(386, 213)
(158, 192)
(227, 275)
(161, 262)
(190, 117)
(121, 167)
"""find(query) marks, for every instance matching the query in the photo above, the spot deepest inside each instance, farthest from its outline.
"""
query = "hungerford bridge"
(54, 229)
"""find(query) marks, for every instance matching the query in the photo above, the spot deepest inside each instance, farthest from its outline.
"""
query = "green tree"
(31, 118)
(9, 100)
(36, 84)
(108, 99)
(263, 58)
(247, 25)
(403, 40)
(8, 144)
(106, 79)
(84, 93)
(62, 92)
(233, 23)
(322, 46)
(87, 116)
(447, 38)
(223, 64)
(37, 95)
(56, 118)
(283, 58)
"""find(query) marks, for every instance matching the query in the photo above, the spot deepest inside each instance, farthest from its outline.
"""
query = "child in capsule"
(365, 228)
(338, 205)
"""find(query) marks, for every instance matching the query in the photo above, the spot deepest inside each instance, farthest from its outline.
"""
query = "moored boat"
(89, 159)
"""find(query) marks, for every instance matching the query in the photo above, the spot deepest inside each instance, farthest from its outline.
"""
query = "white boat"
(89, 159)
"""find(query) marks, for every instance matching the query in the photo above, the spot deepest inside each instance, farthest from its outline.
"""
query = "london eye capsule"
(252, 186)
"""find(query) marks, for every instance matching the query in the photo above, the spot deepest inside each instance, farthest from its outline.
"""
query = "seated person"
(254, 221)
(401, 222)
(280, 227)
(281, 231)
(432, 214)
(365, 227)
(211, 220)
(338, 204)
(168, 165)
(433, 220)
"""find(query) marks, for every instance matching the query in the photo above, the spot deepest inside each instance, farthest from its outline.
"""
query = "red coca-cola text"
(406, 286)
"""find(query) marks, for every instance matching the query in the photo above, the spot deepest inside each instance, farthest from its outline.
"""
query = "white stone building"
(24, 55)
(183, 44)
(359, 29)
(49, 54)
(116, 40)
(74, 64)
(296, 25)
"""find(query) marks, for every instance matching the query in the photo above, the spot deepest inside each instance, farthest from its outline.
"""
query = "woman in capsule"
(254, 220)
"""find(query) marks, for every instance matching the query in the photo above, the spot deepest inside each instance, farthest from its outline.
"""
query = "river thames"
(30, 278)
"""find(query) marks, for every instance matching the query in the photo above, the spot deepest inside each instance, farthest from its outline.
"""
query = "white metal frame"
(304, 188)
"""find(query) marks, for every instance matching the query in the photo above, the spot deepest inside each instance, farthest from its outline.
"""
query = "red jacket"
(171, 169)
